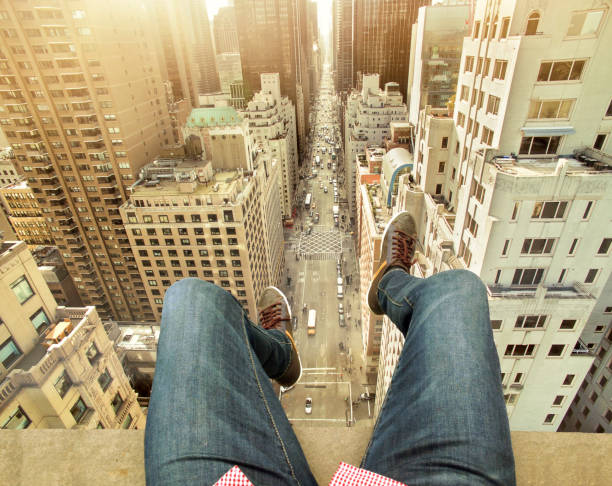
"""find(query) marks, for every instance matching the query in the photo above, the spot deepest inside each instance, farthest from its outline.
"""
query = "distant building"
(367, 118)
(225, 32)
(223, 135)
(53, 270)
(381, 39)
(230, 70)
(272, 130)
(97, 113)
(25, 214)
(342, 44)
(186, 219)
(8, 172)
(58, 367)
(437, 37)
(277, 40)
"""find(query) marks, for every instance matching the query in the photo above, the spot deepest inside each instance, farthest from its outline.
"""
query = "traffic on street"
(321, 283)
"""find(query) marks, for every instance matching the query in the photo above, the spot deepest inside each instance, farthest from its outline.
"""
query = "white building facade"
(272, 130)
(367, 119)
(516, 207)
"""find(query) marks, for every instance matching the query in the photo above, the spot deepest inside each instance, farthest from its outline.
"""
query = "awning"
(547, 131)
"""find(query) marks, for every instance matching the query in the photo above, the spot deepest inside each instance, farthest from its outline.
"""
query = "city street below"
(321, 284)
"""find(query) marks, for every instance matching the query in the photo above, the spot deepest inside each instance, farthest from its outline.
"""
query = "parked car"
(341, 321)
(367, 396)
(340, 308)
(308, 406)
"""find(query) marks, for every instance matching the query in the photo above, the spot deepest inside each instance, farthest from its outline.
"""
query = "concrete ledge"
(103, 457)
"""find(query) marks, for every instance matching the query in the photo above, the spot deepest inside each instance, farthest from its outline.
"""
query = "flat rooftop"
(222, 182)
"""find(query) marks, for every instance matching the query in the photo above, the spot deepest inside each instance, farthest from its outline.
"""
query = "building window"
(514, 211)
(17, 420)
(539, 145)
(228, 216)
(530, 322)
(505, 249)
(600, 141)
(550, 109)
(538, 246)
(527, 276)
(493, 104)
(438, 188)
(465, 94)
(117, 402)
(549, 418)
(569, 379)
(604, 248)
(9, 353)
(469, 64)
(92, 353)
(40, 321)
(195, 218)
(78, 410)
(561, 70)
(444, 142)
(487, 136)
(476, 29)
(572, 249)
(549, 210)
(585, 23)
(591, 275)
(105, 379)
(496, 324)
(519, 350)
(532, 24)
(568, 324)
(63, 384)
(556, 350)
(558, 401)
(22, 290)
(505, 26)
(499, 69)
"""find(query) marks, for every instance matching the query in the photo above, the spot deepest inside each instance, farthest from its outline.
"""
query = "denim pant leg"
(443, 420)
(212, 404)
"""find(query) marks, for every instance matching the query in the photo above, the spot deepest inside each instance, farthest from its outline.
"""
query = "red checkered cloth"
(346, 475)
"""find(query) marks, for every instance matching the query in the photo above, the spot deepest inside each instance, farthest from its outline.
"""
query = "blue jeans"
(443, 420)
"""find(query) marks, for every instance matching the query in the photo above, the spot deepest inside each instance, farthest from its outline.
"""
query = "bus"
(307, 201)
(312, 321)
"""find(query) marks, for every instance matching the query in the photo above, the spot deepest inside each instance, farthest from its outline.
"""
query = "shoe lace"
(272, 316)
(402, 248)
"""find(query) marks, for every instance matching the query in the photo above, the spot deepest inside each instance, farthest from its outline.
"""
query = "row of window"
(198, 231)
(546, 246)
(528, 350)
(228, 217)
(534, 322)
(186, 242)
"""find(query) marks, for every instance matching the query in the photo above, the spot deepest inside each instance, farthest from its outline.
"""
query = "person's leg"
(212, 404)
(443, 420)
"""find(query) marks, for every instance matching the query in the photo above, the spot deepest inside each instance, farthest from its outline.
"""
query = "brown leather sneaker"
(274, 313)
(397, 250)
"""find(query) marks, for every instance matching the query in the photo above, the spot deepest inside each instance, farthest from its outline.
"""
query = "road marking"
(308, 369)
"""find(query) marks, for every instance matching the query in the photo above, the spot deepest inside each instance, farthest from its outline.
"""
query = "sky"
(324, 13)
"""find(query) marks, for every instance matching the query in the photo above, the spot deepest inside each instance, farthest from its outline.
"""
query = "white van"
(340, 291)
(339, 283)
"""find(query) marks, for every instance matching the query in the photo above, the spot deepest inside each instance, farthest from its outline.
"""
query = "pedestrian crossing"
(328, 255)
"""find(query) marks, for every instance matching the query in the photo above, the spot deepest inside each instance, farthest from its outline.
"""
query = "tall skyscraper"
(272, 39)
(382, 34)
(83, 106)
(184, 41)
(343, 44)
(225, 32)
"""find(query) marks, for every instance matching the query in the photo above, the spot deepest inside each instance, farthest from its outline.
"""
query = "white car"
(308, 407)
